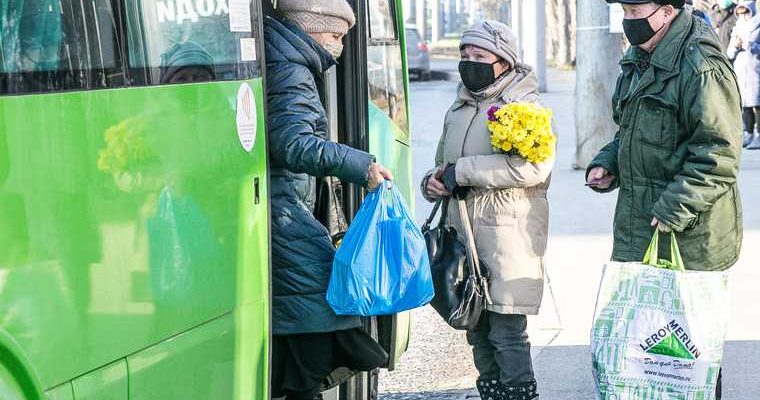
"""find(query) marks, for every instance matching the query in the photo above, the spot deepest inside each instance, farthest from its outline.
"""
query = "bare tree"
(560, 17)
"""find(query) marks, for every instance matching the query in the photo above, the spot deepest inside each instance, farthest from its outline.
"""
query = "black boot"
(495, 390)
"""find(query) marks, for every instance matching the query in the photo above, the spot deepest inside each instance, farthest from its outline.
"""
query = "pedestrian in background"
(698, 12)
(744, 51)
(675, 157)
(507, 204)
(724, 20)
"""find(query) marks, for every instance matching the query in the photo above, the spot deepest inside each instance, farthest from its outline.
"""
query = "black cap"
(674, 3)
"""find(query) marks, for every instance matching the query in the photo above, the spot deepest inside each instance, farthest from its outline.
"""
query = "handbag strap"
(429, 220)
(472, 250)
(442, 202)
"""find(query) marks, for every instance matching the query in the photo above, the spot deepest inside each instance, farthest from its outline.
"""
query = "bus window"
(385, 77)
(190, 41)
(49, 45)
(385, 71)
(381, 23)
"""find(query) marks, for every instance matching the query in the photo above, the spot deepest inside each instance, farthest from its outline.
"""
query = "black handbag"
(459, 277)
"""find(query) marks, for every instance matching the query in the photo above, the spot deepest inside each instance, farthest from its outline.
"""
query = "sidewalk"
(438, 364)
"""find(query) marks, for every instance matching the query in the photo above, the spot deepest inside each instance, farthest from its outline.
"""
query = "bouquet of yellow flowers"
(524, 129)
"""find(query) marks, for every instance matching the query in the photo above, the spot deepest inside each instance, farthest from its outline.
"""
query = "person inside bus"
(186, 62)
(506, 199)
(309, 339)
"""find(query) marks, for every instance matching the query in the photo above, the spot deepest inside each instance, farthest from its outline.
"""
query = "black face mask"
(638, 31)
(476, 76)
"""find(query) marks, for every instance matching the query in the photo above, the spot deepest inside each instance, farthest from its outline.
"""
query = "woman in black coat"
(310, 340)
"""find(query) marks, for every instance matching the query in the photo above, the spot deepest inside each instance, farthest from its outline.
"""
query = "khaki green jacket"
(507, 205)
(676, 154)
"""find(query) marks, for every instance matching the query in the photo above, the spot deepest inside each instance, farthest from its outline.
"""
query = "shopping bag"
(658, 330)
(381, 266)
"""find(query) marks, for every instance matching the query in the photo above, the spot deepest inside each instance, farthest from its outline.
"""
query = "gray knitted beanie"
(317, 16)
(495, 37)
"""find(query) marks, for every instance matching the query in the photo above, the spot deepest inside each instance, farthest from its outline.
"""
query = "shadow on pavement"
(438, 395)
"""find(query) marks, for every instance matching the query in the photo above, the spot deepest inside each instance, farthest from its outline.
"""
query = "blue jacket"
(302, 250)
(747, 58)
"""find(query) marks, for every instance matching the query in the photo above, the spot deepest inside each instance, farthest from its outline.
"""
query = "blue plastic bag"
(382, 266)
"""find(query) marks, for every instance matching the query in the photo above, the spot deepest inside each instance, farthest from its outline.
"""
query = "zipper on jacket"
(467, 132)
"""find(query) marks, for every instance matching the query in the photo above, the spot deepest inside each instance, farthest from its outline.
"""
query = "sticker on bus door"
(246, 117)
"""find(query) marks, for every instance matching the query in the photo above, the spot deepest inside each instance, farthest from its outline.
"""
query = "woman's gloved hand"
(377, 175)
(448, 176)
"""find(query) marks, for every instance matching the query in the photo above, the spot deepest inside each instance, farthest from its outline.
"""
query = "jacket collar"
(294, 45)
(666, 54)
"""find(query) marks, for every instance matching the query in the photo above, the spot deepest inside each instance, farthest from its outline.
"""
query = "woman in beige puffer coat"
(506, 202)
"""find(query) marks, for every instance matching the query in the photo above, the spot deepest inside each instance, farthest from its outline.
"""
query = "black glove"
(449, 179)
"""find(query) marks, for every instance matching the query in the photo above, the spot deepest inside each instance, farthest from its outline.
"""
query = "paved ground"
(438, 364)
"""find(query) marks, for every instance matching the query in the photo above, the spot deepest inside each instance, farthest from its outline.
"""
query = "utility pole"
(436, 22)
(599, 52)
(529, 24)
(421, 18)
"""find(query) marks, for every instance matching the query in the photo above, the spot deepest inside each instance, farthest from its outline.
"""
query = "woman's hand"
(435, 188)
(377, 175)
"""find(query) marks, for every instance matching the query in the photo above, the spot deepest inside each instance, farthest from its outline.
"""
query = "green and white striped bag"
(658, 330)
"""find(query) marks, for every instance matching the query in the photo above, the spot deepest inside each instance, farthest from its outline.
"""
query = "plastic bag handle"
(650, 257)
(472, 251)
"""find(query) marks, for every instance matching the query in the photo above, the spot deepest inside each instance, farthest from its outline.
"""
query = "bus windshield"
(215, 36)
(53, 45)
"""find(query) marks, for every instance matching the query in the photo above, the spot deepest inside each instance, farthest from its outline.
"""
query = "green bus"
(134, 216)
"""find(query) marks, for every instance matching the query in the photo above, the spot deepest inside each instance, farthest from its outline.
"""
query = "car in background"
(418, 54)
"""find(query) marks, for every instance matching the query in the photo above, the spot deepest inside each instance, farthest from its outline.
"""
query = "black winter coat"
(302, 251)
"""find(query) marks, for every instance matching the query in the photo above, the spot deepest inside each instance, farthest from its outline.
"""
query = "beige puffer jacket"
(507, 205)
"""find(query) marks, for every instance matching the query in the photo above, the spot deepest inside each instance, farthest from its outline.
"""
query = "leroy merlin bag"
(658, 330)
(382, 265)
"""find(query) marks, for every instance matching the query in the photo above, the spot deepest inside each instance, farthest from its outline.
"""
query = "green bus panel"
(107, 383)
(129, 217)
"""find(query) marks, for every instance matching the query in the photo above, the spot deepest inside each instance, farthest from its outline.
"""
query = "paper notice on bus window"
(240, 16)
(247, 49)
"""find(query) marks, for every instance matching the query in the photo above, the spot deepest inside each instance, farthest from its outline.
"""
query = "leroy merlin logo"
(671, 340)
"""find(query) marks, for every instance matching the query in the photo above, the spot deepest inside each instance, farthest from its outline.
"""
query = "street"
(438, 364)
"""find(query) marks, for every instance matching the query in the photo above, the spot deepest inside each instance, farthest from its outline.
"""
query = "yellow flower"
(524, 129)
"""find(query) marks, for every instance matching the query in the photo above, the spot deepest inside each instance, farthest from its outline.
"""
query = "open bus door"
(366, 101)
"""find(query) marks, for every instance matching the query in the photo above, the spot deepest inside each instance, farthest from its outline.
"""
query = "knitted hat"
(183, 55)
(495, 37)
(674, 3)
(317, 16)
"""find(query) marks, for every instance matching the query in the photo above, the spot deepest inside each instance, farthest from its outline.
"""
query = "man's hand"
(377, 175)
(662, 227)
(599, 178)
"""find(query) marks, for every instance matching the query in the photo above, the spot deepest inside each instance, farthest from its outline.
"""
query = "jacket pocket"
(656, 123)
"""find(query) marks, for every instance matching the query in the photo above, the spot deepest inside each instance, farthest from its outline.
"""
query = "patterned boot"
(489, 390)
(495, 390)
(523, 391)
